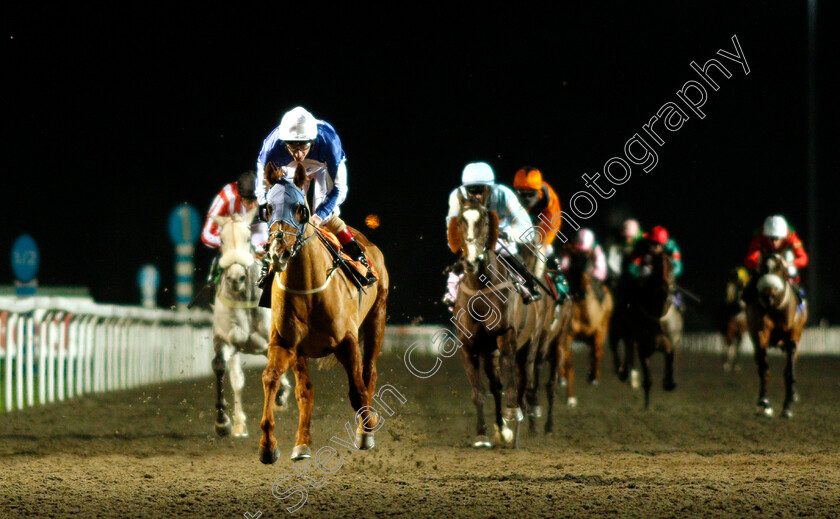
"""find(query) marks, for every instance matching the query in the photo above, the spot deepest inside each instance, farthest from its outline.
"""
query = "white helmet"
(298, 125)
(630, 228)
(775, 227)
(585, 240)
(478, 173)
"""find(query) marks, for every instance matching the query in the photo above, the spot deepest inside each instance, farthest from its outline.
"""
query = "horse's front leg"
(368, 421)
(763, 407)
(568, 371)
(279, 360)
(471, 366)
(223, 424)
(493, 371)
(644, 360)
(237, 381)
(790, 379)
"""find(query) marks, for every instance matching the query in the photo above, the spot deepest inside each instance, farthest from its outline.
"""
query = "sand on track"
(698, 452)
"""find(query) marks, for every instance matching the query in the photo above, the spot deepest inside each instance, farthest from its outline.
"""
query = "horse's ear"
(493, 235)
(272, 175)
(453, 236)
(300, 175)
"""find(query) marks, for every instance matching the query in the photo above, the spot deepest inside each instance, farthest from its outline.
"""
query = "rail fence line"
(52, 348)
(815, 341)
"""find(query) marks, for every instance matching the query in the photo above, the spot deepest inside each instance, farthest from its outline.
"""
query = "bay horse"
(495, 329)
(656, 322)
(776, 319)
(619, 337)
(590, 317)
(734, 318)
(239, 324)
(547, 327)
(316, 312)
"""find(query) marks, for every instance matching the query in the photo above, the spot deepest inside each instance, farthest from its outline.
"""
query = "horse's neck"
(311, 262)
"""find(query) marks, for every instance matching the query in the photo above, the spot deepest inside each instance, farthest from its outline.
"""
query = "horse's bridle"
(300, 241)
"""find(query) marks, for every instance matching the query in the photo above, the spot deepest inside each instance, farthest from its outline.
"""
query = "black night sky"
(112, 115)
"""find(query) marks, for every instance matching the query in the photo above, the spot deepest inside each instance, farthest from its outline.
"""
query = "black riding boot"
(353, 250)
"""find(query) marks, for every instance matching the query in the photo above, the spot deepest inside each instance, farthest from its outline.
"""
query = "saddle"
(355, 271)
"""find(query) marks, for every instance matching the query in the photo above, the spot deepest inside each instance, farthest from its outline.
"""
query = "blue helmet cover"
(283, 198)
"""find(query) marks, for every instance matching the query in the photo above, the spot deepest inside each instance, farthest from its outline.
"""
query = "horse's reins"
(300, 241)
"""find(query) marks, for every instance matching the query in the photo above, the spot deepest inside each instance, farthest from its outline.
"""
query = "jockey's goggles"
(527, 193)
(294, 146)
(477, 189)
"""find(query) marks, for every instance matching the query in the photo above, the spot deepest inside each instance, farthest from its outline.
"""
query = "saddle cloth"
(333, 240)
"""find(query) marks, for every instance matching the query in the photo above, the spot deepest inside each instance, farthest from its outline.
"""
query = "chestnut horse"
(734, 318)
(590, 318)
(495, 328)
(776, 319)
(315, 312)
(656, 323)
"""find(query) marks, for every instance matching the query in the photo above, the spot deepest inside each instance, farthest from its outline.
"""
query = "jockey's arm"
(614, 257)
(210, 232)
(676, 256)
(336, 195)
(268, 145)
(800, 256)
(599, 269)
(753, 253)
(454, 207)
(519, 222)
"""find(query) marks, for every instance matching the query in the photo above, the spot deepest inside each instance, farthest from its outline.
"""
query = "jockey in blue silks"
(301, 138)
(478, 184)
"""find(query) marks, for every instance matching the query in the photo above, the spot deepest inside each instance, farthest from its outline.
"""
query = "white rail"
(53, 348)
(815, 341)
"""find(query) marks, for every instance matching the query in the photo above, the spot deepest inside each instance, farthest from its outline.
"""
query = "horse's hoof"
(224, 429)
(571, 402)
(634, 379)
(787, 413)
(669, 385)
(563, 382)
(269, 457)
(240, 431)
(482, 442)
(535, 411)
(727, 368)
(593, 382)
(364, 441)
(795, 396)
(301, 452)
(764, 408)
(503, 435)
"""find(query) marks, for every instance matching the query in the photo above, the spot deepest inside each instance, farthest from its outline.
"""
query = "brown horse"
(590, 317)
(776, 319)
(494, 327)
(547, 327)
(656, 323)
(734, 318)
(316, 312)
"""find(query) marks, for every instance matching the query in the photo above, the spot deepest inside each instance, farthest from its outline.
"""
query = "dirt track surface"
(698, 452)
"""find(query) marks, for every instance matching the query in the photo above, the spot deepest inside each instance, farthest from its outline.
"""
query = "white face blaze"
(471, 216)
